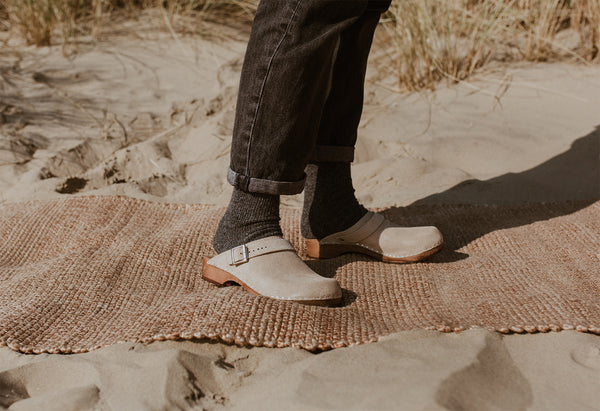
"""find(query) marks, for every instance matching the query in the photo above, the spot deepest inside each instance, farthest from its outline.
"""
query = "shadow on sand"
(571, 178)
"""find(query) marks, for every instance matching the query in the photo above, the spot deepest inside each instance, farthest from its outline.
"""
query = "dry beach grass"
(449, 40)
(434, 40)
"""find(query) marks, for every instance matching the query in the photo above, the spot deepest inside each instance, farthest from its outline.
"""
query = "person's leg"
(330, 205)
(333, 221)
(283, 88)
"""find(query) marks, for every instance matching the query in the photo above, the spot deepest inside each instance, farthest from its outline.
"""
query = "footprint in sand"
(587, 356)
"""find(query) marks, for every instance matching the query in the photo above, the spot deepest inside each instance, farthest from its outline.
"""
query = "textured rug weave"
(80, 273)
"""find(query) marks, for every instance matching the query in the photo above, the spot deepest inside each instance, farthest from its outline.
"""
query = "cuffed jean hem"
(262, 186)
(330, 154)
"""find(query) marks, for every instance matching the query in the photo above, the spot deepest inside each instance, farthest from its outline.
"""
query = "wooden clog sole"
(222, 278)
(316, 250)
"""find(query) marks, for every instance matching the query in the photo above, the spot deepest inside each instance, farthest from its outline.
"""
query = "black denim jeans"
(301, 90)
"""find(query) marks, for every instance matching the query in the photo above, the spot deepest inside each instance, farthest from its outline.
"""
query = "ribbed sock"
(329, 201)
(249, 217)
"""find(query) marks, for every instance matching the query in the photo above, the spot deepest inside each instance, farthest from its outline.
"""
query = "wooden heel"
(216, 275)
(316, 250)
(222, 278)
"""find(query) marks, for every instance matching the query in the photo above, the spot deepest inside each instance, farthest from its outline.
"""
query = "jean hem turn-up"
(264, 186)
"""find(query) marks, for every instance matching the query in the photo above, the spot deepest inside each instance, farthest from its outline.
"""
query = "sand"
(143, 114)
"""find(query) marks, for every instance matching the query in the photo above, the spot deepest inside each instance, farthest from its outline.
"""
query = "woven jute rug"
(84, 272)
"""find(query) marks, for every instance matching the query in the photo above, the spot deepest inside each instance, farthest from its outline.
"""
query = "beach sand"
(143, 114)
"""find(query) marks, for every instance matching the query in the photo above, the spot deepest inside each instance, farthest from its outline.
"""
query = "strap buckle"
(236, 258)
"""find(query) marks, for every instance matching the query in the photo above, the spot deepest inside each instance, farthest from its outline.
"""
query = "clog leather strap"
(243, 253)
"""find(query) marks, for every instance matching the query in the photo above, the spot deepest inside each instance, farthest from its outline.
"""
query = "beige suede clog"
(271, 267)
(376, 236)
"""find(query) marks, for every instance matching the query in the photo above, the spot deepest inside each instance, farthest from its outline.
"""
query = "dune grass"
(434, 39)
(41, 22)
(450, 39)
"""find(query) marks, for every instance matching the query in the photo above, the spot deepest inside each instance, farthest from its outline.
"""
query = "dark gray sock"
(329, 202)
(249, 217)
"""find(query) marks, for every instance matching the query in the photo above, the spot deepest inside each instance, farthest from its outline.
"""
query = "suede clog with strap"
(271, 267)
(376, 236)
